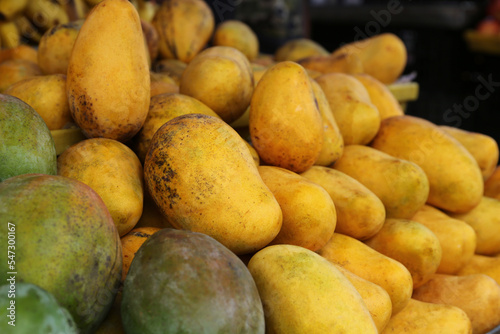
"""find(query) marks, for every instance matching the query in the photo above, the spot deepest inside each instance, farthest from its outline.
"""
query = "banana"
(75, 9)
(10, 8)
(27, 30)
(45, 14)
(9, 33)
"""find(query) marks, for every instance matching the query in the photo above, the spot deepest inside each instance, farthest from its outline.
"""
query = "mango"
(455, 180)
(152, 39)
(162, 84)
(172, 67)
(383, 56)
(481, 264)
(309, 215)
(27, 145)
(239, 35)
(304, 293)
(299, 48)
(429, 318)
(63, 232)
(22, 51)
(205, 288)
(360, 213)
(131, 242)
(477, 295)
(457, 238)
(184, 28)
(113, 170)
(492, 184)
(108, 82)
(400, 184)
(285, 124)
(410, 243)
(47, 95)
(15, 70)
(357, 117)
(203, 178)
(341, 63)
(367, 263)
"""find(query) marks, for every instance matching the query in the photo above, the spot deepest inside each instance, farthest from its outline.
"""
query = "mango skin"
(492, 184)
(238, 35)
(15, 70)
(131, 242)
(367, 263)
(341, 63)
(481, 264)
(410, 243)
(401, 185)
(455, 180)
(113, 170)
(203, 178)
(309, 215)
(27, 145)
(299, 48)
(108, 82)
(428, 318)
(66, 243)
(304, 293)
(285, 124)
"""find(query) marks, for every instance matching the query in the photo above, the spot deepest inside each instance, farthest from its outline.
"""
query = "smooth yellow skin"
(341, 63)
(299, 48)
(172, 67)
(22, 51)
(376, 299)
(285, 124)
(54, 49)
(429, 318)
(492, 184)
(457, 238)
(400, 184)
(203, 178)
(360, 213)
(108, 74)
(357, 117)
(485, 220)
(162, 109)
(481, 264)
(380, 96)
(253, 152)
(410, 243)
(238, 35)
(47, 95)
(304, 293)
(309, 215)
(49, 13)
(482, 147)
(10, 34)
(333, 142)
(455, 180)
(477, 295)
(113, 171)
(371, 265)
(383, 56)
(15, 70)
(220, 82)
(131, 242)
(184, 28)
(162, 84)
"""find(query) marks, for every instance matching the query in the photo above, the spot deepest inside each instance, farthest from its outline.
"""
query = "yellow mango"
(309, 215)
(151, 214)
(376, 299)
(239, 35)
(152, 39)
(380, 96)
(492, 184)
(357, 117)
(203, 178)
(184, 28)
(285, 124)
(108, 74)
(373, 266)
(47, 95)
(131, 242)
(21, 51)
(400, 184)
(221, 78)
(299, 48)
(304, 293)
(172, 67)
(410, 243)
(457, 238)
(485, 220)
(56, 44)
(383, 56)
(477, 295)
(162, 84)
(429, 318)
(113, 171)
(455, 180)
(253, 152)
(162, 109)
(482, 147)
(15, 70)
(481, 264)
(360, 213)
(341, 63)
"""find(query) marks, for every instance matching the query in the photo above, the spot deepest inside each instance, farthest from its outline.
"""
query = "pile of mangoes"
(222, 190)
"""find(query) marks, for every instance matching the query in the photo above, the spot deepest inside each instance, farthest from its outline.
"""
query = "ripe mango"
(299, 48)
(15, 70)
(492, 184)
(341, 63)
(108, 73)
(239, 35)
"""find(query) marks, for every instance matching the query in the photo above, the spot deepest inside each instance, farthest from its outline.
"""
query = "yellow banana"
(27, 30)
(9, 34)
(10, 8)
(45, 14)
(75, 9)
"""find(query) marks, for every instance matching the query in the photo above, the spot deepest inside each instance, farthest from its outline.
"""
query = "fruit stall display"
(159, 174)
